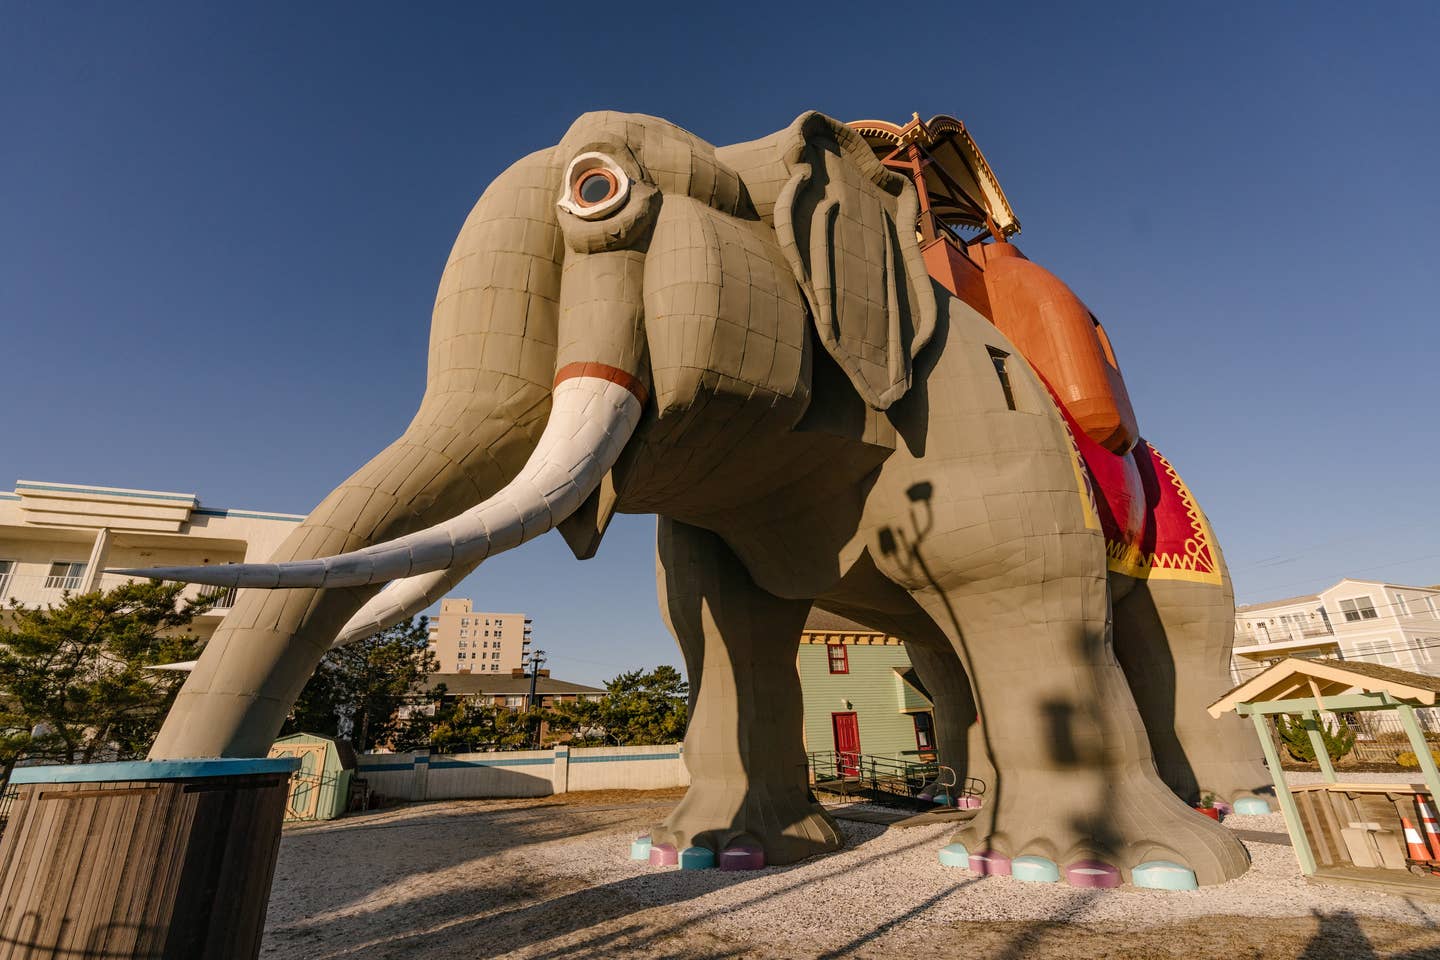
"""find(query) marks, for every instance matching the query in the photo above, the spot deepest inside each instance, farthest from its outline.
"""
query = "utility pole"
(537, 658)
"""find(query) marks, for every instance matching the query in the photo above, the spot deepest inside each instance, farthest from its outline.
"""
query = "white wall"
(531, 773)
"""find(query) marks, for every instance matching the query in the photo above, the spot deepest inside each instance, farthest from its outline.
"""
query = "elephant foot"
(745, 829)
(1046, 826)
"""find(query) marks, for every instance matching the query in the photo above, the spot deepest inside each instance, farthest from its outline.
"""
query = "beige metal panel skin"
(822, 425)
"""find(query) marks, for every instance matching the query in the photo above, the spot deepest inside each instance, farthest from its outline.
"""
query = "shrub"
(1410, 761)
(1339, 740)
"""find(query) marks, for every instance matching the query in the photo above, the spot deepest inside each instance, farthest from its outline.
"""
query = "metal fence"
(1379, 736)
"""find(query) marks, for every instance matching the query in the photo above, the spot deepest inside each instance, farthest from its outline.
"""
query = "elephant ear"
(847, 227)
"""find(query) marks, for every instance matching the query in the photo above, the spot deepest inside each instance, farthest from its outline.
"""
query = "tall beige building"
(466, 640)
(58, 537)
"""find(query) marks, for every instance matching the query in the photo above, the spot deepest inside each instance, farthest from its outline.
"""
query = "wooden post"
(1422, 749)
(1284, 796)
(1311, 720)
(155, 859)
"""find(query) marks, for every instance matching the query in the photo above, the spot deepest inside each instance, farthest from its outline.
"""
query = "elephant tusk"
(594, 411)
(401, 600)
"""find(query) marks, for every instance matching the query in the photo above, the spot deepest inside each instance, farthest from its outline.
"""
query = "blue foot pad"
(640, 848)
(1035, 870)
(1251, 806)
(955, 855)
(1163, 875)
(697, 858)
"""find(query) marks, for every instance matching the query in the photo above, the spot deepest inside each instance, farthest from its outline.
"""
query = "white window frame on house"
(70, 579)
(494, 667)
(1401, 607)
(7, 571)
(1356, 613)
(1434, 610)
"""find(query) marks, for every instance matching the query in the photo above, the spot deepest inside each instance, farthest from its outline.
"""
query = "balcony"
(43, 589)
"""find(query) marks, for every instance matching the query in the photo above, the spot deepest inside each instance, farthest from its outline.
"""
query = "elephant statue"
(745, 341)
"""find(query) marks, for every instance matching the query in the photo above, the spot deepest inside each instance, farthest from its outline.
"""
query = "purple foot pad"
(1092, 873)
(742, 858)
(988, 863)
(664, 855)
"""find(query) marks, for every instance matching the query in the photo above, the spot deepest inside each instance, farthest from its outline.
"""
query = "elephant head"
(664, 293)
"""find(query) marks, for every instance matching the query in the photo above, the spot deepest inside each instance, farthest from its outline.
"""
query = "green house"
(861, 693)
(320, 789)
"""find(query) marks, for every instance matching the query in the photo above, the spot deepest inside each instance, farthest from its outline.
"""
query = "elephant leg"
(743, 748)
(1074, 775)
(459, 449)
(957, 741)
(1173, 639)
(957, 736)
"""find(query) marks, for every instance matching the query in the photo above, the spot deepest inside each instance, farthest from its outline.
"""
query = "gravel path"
(541, 880)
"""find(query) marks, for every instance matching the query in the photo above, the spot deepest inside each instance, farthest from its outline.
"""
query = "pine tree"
(74, 680)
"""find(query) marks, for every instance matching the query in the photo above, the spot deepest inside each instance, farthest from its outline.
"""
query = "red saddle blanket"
(1153, 527)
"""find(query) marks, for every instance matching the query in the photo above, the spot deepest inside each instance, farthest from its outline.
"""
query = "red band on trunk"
(604, 372)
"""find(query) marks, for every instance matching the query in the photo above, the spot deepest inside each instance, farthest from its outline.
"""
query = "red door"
(847, 742)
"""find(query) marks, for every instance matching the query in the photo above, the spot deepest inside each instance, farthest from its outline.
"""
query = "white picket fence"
(527, 773)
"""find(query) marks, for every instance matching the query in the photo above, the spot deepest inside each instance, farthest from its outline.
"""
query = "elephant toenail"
(697, 858)
(988, 863)
(1092, 873)
(1035, 870)
(1164, 875)
(742, 858)
(664, 855)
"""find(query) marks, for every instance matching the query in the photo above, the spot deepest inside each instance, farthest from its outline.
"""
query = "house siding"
(876, 694)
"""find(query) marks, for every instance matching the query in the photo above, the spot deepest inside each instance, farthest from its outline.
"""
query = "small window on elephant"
(998, 358)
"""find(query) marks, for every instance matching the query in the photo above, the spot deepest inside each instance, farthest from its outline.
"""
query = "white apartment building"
(56, 537)
(1387, 623)
(466, 640)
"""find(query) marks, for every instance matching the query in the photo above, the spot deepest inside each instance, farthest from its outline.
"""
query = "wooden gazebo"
(1347, 827)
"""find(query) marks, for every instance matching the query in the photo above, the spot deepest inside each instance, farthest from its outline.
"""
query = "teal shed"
(320, 789)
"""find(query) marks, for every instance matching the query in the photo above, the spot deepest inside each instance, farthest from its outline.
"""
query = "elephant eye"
(594, 186)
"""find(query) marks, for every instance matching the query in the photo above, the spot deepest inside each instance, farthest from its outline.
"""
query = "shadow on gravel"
(1340, 937)
(489, 922)
(486, 833)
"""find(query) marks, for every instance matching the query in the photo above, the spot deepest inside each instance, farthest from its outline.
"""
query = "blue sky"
(221, 228)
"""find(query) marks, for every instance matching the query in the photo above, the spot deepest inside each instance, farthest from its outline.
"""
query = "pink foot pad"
(664, 855)
(1092, 873)
(742, 858)
(988, 863)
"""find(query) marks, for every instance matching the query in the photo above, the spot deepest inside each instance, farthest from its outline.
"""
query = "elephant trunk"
(594, 411)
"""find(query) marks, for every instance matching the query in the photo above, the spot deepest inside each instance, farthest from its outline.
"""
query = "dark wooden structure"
(170, 860)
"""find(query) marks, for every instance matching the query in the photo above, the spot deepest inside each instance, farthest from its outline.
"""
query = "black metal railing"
(844, 772)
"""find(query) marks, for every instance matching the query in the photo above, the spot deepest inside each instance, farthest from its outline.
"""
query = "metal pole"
(537, 657)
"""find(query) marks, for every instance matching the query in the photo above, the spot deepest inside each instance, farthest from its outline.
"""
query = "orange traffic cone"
(1414, 846)
(1431, 825)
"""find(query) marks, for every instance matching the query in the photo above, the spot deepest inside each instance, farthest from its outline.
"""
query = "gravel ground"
(542, 879)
